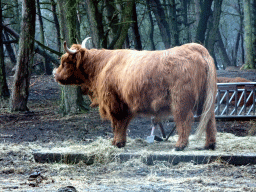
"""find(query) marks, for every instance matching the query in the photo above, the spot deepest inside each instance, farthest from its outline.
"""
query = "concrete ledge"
(243, 159)
(63, 158)
(202, 159)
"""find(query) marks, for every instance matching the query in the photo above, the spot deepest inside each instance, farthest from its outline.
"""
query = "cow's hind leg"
(183, 104)
(184, 122)
(211, 132)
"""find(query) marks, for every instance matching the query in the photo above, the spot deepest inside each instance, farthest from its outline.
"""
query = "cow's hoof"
(120, 144)
(211, 146)
(180, 148)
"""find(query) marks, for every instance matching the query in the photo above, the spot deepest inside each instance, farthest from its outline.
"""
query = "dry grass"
(107, 174)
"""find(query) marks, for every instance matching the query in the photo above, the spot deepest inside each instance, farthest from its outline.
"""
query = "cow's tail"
(210, 96)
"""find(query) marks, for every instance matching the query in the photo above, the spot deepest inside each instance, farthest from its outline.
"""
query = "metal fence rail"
(235, 100)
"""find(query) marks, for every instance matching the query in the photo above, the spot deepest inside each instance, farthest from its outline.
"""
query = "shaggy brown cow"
(177, 81)
(236, 80)
(86, 91)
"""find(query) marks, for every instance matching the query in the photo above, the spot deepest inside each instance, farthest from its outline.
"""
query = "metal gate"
(235, 101)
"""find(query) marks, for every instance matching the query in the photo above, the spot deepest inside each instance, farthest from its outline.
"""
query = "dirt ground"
(43, 128)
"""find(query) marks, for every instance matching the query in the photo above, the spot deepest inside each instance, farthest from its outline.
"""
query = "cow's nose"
(120, 144)
(54, 73)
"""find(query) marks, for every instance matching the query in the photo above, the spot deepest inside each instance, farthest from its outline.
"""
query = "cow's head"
(70, 70)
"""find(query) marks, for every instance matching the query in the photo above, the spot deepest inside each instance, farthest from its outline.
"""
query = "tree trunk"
(20, 91)
(57, 25)
(161, 21)
(242, 48)
(174, 25)
(41, 25)
(240, 32)
(9, 48)
(96, 25)
(17, 15)
(4, 92)
(112, 20)
(71, 99)
(213, 30)
(151, 31)
(137, 41)
(126, 17)
(254, 33)
(197, 11)
(224, 55)
(185, 5)
(234, 55)
(71, 20)
(47, 66)
(63, 25)
(249, 62)
(202, 23)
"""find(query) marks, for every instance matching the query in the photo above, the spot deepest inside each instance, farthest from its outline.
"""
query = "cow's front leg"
(119, 130)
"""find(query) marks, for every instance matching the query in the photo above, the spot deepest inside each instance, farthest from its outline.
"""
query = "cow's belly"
(154, 107)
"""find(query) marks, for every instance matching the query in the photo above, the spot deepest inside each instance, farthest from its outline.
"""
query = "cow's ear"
(64, 57)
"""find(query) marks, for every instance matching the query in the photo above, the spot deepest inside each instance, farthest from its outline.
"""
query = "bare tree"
(95, 16)
(151, 31)
(56, 23)
(40, 19)
(203, 19)
(223, 51)
(8, 47)
(214, 27)
(135, 28)
(71, 98)
(126, 20)
(163, 25)
(20, 91)
(249, 37)
(254, 33)
(4, 92)
(174, 24)
(239, 33)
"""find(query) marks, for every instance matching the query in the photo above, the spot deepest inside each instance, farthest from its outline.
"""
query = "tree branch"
(38, 46)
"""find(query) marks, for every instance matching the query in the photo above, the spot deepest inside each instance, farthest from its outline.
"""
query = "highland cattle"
(180, 81)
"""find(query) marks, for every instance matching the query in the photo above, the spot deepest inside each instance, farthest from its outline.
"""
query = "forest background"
(32, 33)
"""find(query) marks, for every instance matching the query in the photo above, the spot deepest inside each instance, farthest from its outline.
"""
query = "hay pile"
(227, 144)
(106, 174)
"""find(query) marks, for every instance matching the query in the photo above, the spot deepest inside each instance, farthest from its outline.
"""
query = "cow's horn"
(70, 51)
(85, 41)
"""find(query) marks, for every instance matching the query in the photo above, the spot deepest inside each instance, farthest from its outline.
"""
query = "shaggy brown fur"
(177, 81)
(86, 91)
(236, 80)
